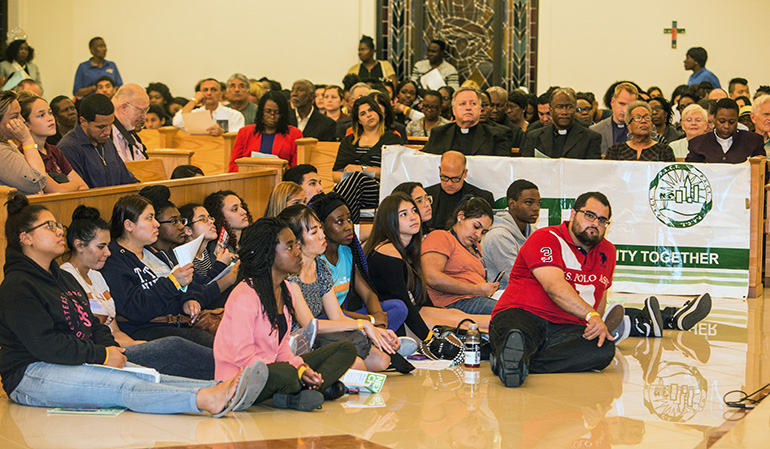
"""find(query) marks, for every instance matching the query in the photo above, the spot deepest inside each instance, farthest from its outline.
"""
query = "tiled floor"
(658, 393)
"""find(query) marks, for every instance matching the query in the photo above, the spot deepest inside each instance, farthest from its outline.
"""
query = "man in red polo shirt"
(549, 319)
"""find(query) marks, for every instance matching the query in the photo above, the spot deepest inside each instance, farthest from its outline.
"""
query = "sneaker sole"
(511, 366)
(694, 312)
(653, 309)
(622, 331)
(614, 316)
(408, 346)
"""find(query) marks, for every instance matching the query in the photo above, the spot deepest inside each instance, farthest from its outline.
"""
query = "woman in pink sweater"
(258, 317)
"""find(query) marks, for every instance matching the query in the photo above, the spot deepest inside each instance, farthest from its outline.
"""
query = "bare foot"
(214, 399)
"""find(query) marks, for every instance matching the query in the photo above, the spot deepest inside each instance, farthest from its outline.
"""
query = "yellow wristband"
(195, 100)
(29, 147)
(176, 283)
(301, 370)
(371, 319)
(360, 325)
(588, 317)
(106, 350)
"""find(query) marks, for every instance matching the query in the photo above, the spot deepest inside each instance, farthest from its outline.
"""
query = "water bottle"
(472, 346)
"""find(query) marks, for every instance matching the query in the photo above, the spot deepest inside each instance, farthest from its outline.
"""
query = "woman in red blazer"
(270, 134)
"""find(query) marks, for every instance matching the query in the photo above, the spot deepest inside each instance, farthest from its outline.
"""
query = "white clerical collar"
(465, 130)
(562, 132)
(724, 143)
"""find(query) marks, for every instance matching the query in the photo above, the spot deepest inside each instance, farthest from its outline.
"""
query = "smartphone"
(223, 238)
(499, 276)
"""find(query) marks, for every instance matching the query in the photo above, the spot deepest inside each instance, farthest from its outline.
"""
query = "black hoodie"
(45, 317)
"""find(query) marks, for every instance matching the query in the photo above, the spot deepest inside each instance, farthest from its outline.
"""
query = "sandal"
(256, 378)
(240, 391)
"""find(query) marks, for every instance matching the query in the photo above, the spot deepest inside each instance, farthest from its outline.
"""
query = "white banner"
(679, 228)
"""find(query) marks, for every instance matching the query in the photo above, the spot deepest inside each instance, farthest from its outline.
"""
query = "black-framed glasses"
(581, 110)
(50, 225)
(641, 118)
(452, 179)
(175, 221)
(592, 217)
(207, 218)
(268, 113)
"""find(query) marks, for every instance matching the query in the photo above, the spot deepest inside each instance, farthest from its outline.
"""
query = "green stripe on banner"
(667, 272)
(554, 206)
(683, 257)
(668, 281)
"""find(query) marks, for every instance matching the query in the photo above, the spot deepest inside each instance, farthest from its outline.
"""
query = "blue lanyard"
(475, 253)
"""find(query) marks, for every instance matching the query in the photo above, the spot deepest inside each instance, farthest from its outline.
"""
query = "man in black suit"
(452, 190)
(466, 134)
(727, 144)
(498, 113)
(308, 119)
(563, 137)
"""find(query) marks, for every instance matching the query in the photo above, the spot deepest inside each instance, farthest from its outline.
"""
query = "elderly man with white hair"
(131, 104)
(760, 115)
(237, 93)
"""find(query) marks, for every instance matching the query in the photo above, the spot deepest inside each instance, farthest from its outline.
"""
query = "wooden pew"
(171, 158)
(211, 154)
(321, 155)
(247, 164)
(254, 187)
(148, 170)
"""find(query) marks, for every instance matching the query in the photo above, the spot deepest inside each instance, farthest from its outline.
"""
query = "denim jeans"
(91, 386)
(199, 336)
(174, 356)
(480, 305)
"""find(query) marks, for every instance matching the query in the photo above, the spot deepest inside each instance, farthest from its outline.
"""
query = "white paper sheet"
(432, 80)
(197, 121)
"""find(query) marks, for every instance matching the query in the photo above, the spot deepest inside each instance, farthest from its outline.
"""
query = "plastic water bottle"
(472, 346)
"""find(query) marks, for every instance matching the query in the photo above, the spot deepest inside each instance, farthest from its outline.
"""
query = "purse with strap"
(208, 320)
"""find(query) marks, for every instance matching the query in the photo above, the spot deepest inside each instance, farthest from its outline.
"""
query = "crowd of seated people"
(361, 290)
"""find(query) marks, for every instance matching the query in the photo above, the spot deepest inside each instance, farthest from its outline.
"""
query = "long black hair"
(283, 109)
(257, 254)
(128, 207)
(214, 204)
(408, 188)
(386, 229)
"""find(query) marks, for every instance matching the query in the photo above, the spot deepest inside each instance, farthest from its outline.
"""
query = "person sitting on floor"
(230, 213)
(88, 237)
(56, 353)
(257, 323)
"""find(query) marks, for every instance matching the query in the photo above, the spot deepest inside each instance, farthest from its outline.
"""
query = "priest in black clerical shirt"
(452, 189)
(563, 138)
(466, 134)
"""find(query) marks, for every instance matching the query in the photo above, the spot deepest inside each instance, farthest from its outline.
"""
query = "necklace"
(101, 155)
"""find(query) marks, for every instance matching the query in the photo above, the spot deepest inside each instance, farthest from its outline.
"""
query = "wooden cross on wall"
(673, 31)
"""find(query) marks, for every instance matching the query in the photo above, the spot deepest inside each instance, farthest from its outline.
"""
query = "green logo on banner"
(680, 196)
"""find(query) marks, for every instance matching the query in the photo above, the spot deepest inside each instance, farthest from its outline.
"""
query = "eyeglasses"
(425, 107)
(272, 113)
(446, 98)
(641, 118)
(50, 225)
(693, 119)
(592, 217)
(563, 107)
(420, 200)
(175, 221)
(207, 218)
(144, 111)
(452, 179)
(581, 110)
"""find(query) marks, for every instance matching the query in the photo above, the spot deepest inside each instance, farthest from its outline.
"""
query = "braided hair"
(323, 205)
(257, 255)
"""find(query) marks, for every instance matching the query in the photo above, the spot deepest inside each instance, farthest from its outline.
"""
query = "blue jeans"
(396, 310)
(174, 356)
(480, 305)
(87, 386)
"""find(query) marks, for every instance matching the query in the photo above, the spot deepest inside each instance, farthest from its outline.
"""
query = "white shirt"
(98, 291)
(233, 117)
(724, 143)
(302, 123)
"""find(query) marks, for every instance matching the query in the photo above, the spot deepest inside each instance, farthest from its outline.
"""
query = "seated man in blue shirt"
(89, 149)
(696, 61)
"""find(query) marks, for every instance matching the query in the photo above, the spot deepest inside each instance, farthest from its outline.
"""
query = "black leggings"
(331, 362)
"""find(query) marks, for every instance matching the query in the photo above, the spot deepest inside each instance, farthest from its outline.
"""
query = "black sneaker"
(652, 312)
(510, 365)
(692, 312)
(334, 391)
(304, 401)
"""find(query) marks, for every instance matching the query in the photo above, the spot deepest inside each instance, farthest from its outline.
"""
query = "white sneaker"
(622, 331)
(408, 346)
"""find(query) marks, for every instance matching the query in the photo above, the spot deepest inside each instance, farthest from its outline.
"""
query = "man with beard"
(549, 319)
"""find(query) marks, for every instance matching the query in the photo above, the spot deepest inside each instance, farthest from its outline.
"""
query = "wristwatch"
(363, 168)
